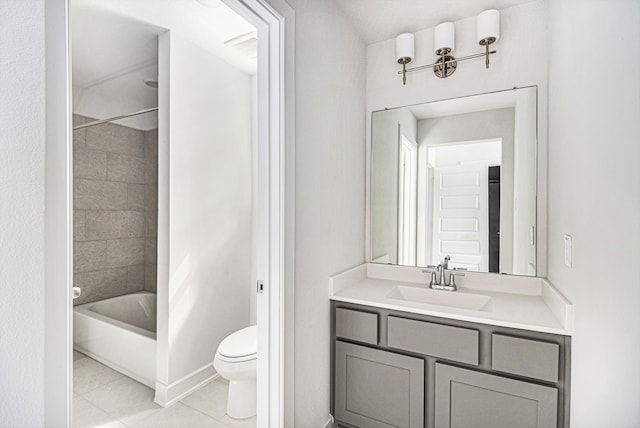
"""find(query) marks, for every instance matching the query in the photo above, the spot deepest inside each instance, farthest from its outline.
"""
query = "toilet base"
(241, 403)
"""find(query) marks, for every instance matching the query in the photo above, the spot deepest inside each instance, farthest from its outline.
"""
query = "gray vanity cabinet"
(378, 389)
(396, 369)
(472, 399)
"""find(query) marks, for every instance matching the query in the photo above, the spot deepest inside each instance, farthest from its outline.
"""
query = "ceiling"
(115, 48)
(377, 20)
(109, 36)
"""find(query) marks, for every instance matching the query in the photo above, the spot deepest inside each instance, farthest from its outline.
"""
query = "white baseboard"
(166, 395)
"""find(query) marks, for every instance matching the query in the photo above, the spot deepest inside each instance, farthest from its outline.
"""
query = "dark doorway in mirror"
(494, 219)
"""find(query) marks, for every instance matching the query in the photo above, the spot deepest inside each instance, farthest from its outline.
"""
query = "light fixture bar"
(435, 64)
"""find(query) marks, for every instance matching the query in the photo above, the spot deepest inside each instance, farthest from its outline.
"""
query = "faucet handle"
(434, 278)
(452, 279)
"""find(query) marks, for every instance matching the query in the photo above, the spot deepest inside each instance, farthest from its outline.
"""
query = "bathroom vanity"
(495, 354)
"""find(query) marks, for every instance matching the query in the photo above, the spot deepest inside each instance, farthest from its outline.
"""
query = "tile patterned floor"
(107, 399)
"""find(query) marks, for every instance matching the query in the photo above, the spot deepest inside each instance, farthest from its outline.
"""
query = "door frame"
(58, 308)
(407, 248)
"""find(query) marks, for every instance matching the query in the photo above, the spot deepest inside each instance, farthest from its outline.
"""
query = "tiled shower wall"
(115, 205)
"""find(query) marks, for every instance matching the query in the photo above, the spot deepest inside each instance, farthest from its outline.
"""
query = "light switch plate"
(567, 250)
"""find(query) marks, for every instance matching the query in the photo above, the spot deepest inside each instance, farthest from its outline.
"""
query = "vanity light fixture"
(488, 32)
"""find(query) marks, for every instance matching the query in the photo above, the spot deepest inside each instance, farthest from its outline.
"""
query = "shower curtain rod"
(111, 119)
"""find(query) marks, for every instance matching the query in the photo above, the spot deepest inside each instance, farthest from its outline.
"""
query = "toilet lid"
(242, 343)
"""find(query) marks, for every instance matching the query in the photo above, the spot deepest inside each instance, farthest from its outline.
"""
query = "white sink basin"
(453, 299)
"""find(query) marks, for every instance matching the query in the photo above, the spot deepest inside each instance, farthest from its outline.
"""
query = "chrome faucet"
(440, 271)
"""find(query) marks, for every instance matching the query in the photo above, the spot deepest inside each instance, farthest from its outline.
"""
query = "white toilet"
(236, 361)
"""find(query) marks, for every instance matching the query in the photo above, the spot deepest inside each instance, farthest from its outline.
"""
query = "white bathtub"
(121, 333)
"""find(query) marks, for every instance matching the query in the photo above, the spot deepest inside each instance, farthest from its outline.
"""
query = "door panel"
(472, 399)
(460, 216)
(378, 389)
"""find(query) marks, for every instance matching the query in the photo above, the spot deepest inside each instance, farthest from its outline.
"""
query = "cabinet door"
(468, 398)
(378, 389)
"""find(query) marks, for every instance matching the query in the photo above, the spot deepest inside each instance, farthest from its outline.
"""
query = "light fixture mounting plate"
(445, 66)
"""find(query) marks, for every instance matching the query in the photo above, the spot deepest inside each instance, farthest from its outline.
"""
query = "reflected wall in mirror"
(457, 177)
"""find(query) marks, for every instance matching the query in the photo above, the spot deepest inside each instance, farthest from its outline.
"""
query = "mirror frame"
(541, 161)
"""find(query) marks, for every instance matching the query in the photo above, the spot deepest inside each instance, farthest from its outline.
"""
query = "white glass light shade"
(488, 24)
(444, 37)
(405, 48)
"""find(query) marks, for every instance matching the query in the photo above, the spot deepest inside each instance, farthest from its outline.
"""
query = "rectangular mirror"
(457, 177)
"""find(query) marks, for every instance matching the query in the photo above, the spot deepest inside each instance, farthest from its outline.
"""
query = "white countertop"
(516, 302)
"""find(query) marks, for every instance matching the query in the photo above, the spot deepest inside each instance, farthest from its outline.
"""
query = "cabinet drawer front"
(357, 325)
(442, 341)
(378, 389)
(525, 357)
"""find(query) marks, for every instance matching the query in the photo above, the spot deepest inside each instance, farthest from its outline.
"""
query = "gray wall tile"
(114, 224)
(152, 223)
(135, 276)
(102, 284)
(79, 120)
(151, 154)
(116, 139)
(79, 139)
(151, 197)
(129, 169)
(79, 225)
(125, 252)
(150, 250)
(135, 197)
(89, 163)
(115, 211)
(150, 277)
(79, 135)
(99, 195)
(89, 255)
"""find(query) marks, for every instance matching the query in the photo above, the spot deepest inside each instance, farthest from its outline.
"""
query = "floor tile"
(177, 416)
(124, 398)
(78, 355)
(89, 374)
(86, 414)
(211, 399)
(239, 423)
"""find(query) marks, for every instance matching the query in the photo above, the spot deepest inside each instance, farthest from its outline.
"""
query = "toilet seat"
(239, 346)
(237, 359)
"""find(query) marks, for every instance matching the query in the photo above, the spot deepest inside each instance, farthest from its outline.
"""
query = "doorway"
(270, 141)
(458, 208)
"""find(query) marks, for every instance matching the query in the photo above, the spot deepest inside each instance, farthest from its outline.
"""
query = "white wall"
(329, 182)
(521, 61)
(22, 209)
(594, 188)
(205, 196)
